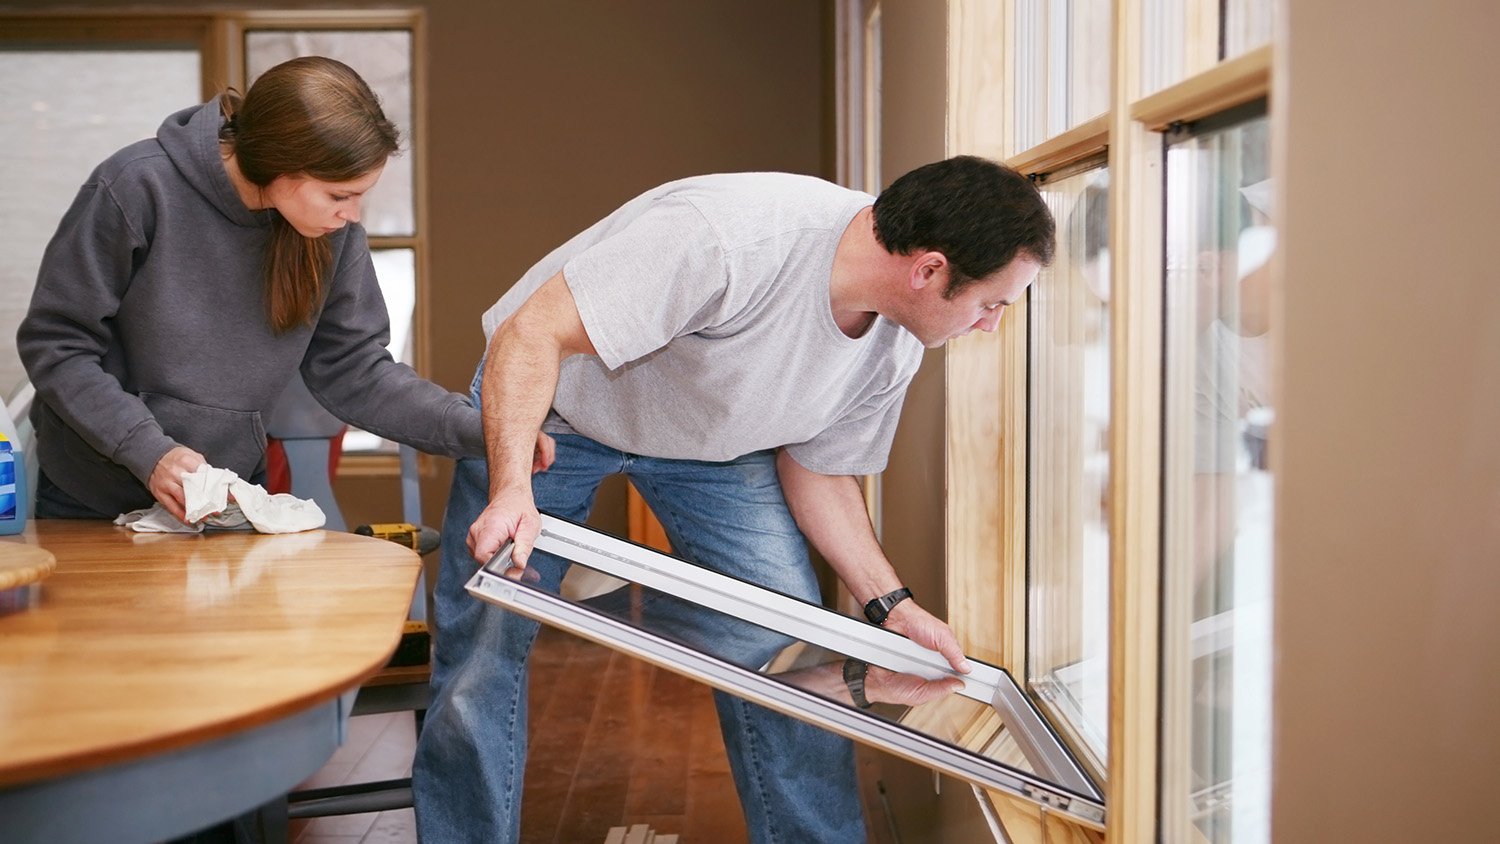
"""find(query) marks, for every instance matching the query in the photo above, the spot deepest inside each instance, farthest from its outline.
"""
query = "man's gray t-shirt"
(707, 300)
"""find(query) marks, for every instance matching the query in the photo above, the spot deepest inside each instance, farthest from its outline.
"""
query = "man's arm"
(520, 380)
(830, 510)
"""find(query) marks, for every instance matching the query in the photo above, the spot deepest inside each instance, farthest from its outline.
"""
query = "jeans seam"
(518, 681)
(752, 751)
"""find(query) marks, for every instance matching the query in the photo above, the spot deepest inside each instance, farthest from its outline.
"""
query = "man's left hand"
(925, 629)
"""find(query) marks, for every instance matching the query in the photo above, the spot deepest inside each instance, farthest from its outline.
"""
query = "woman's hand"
(165, 482)
(546, 452)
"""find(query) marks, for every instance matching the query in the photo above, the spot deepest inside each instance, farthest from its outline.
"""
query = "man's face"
(936, 320)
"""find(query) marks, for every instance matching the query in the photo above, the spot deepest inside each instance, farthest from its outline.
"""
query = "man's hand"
(510, 515)
(165, 483)
(925, 629)
(882, 686)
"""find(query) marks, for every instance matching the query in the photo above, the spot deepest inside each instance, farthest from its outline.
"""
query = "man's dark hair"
(978, 213)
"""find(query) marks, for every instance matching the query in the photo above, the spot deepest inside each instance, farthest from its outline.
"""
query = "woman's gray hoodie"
(148, 330)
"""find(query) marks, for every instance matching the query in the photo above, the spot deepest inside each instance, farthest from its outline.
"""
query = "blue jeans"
(796, 782)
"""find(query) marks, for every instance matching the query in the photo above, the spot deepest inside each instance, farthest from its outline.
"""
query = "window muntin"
(1068, 474)
(690, 619)
(62, 111)
(1217, 552)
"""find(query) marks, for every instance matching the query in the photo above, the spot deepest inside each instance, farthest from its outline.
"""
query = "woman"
(192, 278)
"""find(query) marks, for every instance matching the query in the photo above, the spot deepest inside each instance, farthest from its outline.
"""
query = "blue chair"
(306, 432)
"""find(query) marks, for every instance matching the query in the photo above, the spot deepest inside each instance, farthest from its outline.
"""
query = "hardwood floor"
(614, 742)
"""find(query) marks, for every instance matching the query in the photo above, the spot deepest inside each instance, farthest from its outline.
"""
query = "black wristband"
(878, 608)
(854, 679)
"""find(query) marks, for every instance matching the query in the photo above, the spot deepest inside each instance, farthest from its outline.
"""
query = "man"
(739, 346)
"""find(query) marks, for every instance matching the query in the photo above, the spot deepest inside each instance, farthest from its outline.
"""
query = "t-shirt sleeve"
(859, 443)
(661, 276)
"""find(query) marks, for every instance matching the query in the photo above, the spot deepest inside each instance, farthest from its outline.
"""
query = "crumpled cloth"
(208, 491)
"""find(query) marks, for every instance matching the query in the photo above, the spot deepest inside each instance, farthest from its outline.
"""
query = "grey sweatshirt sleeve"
(350, 372)
(85, 271)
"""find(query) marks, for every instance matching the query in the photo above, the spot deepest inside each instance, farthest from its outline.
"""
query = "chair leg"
(266, 825)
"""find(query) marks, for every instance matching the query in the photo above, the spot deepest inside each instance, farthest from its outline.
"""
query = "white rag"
(208, 491)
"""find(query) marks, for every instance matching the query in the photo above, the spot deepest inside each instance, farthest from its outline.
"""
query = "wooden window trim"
(1088, 138)
(236, 26)
(985, 447)
(1230, 83)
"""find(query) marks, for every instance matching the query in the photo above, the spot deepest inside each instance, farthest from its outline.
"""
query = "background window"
(1068, 524)
(384, 59)
(61, 113)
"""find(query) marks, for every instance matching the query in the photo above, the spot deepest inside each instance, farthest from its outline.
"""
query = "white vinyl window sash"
(1036, 766)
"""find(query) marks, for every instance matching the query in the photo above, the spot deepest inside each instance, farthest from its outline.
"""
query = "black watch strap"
(854, 678)
(877, 610)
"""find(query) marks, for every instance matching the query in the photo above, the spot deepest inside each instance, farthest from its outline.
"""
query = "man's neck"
(859, 265)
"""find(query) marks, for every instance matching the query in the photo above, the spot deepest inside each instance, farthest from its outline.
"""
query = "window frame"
(985, 399)
(237, 26)
(1064, 788)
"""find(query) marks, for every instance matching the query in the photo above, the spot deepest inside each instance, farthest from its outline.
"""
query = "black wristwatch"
(877, 610)
(854, 678)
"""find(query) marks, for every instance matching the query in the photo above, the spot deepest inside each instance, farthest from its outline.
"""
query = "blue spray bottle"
(13, 498)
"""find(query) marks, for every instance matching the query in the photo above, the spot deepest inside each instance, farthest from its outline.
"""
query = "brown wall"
(1387, 667)
(923, 807)
(543, 116)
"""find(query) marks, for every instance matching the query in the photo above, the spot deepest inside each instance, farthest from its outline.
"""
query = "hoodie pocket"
(227, 439)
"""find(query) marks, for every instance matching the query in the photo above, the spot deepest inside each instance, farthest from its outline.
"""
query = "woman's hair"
(315, 117)
(976, 212)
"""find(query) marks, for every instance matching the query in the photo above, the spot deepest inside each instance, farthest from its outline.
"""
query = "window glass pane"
(1164, 46)
(1089, 44)
(1068, 659)
(397, 271)
(383, 58)
(1061, 52)
(1030, 75)
(1216, 598)
(61, 113)
(1247, 25)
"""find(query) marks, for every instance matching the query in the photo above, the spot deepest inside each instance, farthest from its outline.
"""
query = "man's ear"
(926, 269)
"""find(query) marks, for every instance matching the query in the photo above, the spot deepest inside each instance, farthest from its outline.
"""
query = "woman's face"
(316, 208)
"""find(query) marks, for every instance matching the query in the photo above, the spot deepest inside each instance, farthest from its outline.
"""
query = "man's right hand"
(165, 483)
(508, 516)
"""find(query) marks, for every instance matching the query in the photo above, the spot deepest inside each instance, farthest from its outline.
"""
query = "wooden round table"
(164, 682)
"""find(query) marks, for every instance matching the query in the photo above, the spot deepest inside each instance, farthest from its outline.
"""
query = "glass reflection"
(922, 706)
(1219, 530)
(1068, 474)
